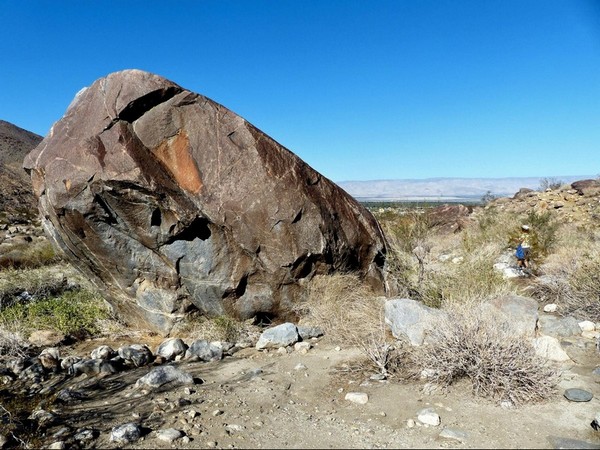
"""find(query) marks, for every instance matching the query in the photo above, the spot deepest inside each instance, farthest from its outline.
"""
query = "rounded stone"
(578, 395)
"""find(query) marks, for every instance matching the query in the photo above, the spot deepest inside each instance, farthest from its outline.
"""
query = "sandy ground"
(258, 399)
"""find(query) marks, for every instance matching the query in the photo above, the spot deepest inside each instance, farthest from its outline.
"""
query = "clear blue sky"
(360, 90)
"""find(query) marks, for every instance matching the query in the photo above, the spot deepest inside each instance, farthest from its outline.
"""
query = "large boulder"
(168, 200)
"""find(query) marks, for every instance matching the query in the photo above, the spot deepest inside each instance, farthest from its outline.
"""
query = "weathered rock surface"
(167, 199)
(278, 336)
(411, 320)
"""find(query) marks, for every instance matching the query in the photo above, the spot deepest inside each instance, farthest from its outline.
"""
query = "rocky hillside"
(577, 203)
(16, 197)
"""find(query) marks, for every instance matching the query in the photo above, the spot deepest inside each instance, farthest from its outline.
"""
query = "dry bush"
(222, 328)
(12, 341)
(471, 343)
(415, 250)
(472, 279)
(571, 275)
(348, 312)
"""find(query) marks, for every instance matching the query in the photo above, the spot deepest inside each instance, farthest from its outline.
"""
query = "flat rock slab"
(578, 395)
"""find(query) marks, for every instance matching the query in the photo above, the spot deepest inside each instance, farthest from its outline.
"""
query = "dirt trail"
(272, 400)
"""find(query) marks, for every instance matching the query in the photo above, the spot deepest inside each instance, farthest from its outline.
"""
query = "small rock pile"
(45, 375)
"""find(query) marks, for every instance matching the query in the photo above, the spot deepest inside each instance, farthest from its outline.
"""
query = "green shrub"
(72, 313)
(543, 235)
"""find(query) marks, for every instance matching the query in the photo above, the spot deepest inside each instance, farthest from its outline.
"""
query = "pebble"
(302, 347)
(578, 395)
(550, 307)
(410, 423)
(454, 434)
(357, 397)
(217, 412)
(428, 416)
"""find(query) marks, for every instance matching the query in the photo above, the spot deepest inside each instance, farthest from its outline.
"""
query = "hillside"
(15, 194)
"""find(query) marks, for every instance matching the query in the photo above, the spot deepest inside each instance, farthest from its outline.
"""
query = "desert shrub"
(550, 183)
(74, 312)
(472, 279)
(348, 311)
(488, 197)
(572, 282)
(407, 235)
(12, 341)
(472, 344)
(543, 235)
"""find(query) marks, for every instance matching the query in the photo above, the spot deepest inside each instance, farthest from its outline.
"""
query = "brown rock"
(449, 218)
(586, 187)
(46, 338)
(167, 199)
(524, 192)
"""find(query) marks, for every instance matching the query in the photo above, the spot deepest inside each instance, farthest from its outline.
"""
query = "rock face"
(168, 200)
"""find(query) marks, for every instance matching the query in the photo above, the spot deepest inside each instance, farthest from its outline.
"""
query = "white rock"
(549, 347)
(357, 397)
(410, 423)
(428, 416)
(454, 434)
(302, 347)
(300, 366)
(58, 445)
(169, 434)
(586, 325)
(590, 334)
(550, 307)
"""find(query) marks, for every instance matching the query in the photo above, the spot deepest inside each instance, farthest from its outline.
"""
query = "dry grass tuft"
(349, 313)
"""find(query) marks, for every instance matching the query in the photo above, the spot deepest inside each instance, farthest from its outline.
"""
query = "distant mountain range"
(445, 189)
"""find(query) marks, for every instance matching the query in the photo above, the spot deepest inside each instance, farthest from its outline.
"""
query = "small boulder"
(306, 333)
(410, 320)
(92, 367)
(126, 433)
(204, 351)
(103, 352)
(558, 326)
(171, 348)
(163, 375)
(578, 395)
(278, 336)
(169, 435)
(521, 313)
(548, 347)
(136, 355)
